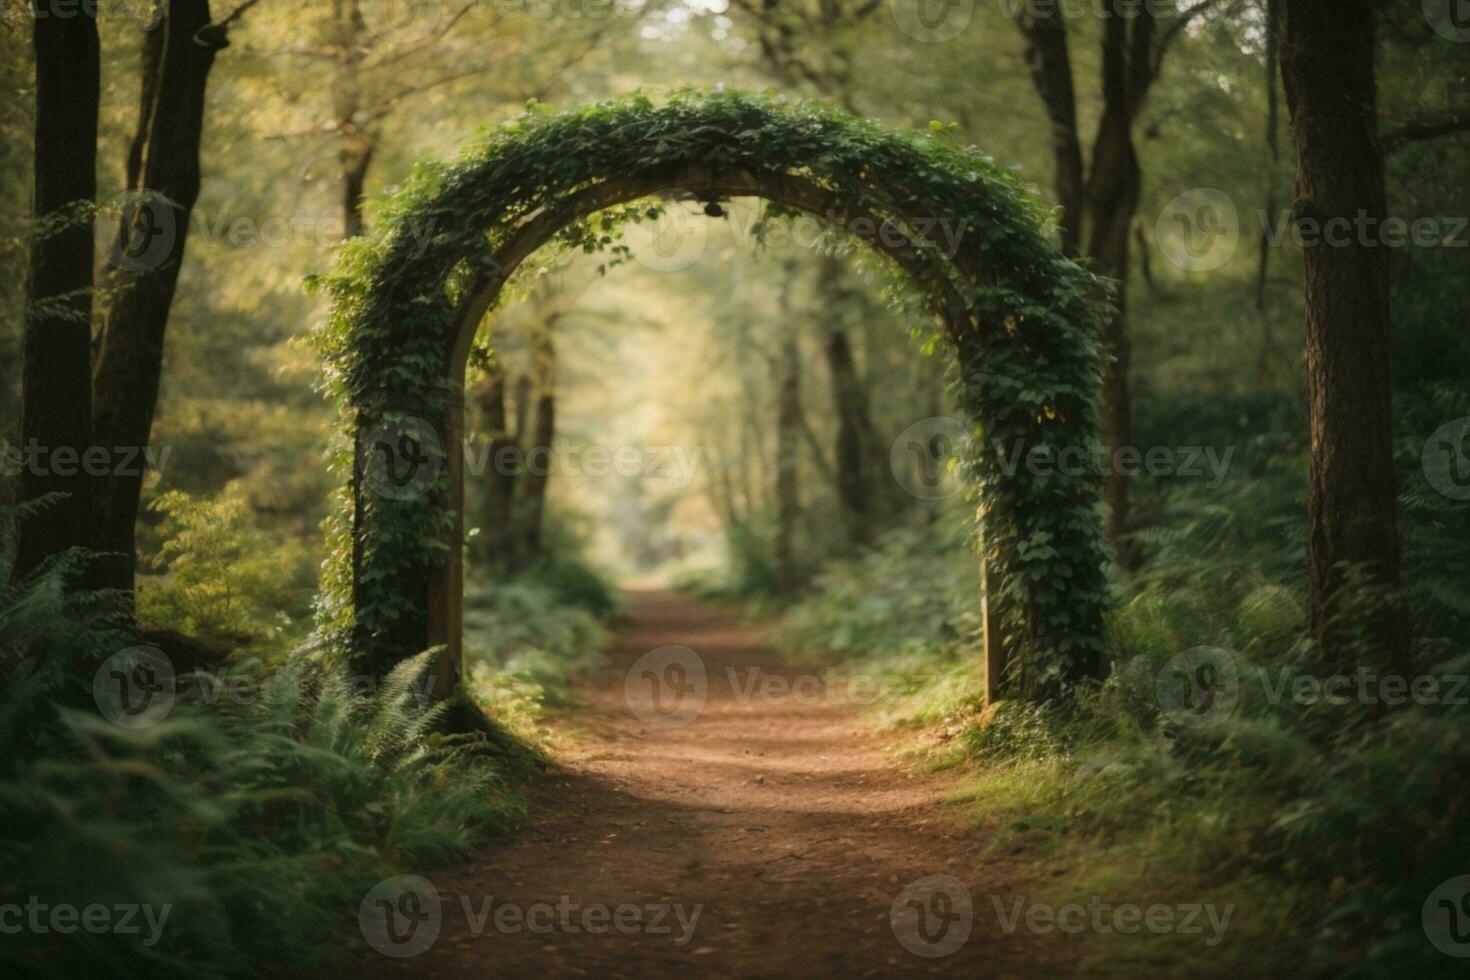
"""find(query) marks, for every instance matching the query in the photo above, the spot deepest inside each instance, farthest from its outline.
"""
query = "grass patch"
(1322, 827)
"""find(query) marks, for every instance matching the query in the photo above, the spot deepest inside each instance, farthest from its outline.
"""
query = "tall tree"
(1327, 60)
(856, 439)
(56, 372)
(1100, 200)
(163, 174)
(531, 496)
(788, 367)
(375, 69)
(496, 514)
(1273, 160)
(802, 43)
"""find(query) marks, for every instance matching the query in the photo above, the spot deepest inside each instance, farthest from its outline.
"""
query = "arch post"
(445, 586)
(996, 657)
(1022, 320)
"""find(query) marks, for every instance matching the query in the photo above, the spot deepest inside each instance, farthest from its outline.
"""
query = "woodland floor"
(794, 826)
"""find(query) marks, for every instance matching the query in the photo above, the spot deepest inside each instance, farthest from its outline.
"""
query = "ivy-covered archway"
(1019, 318)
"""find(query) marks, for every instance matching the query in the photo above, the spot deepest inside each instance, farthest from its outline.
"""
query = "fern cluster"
(258, 822)
(1329, 824)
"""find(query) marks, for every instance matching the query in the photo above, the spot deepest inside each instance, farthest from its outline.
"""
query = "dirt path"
(766, 835)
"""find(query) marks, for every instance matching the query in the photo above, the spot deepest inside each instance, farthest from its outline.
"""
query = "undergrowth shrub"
(1328, 824)
(747, 574)
(219, 577)
(256, 821)
(528, 635)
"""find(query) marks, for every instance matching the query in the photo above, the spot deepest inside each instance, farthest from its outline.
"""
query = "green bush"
(1328, 825)
(748, 573)
(259, 821)
(528, 635)
(218, 577)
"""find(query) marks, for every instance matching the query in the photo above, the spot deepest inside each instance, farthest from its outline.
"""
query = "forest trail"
(774, 832)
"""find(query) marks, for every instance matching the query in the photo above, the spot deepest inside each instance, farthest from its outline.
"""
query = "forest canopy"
(1023, 442)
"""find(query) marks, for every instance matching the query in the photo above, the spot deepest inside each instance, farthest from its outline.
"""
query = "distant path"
(785, 820)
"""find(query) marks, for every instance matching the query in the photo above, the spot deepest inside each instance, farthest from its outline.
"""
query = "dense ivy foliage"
(1027, 346)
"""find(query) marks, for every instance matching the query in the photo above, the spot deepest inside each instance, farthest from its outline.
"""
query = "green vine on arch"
(1025, 342)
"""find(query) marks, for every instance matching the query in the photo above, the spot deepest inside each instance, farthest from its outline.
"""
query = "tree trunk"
(848, 455)
(1113, 190)
(359, 144)
(850, 405)
(531, 507)
(56, 399)
(356, 158)
(496, 538)
(1331, 90)
(788, 457)
(1050, 61)
(1098, 212)
(1273, 159)
(164, 162)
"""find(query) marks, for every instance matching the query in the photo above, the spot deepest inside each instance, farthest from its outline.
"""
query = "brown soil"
(791, 823)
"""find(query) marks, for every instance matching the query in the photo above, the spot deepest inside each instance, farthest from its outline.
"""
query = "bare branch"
(1425, 128)
(408, 50)
(236, 14)
(1176, 27)
(217, 34)
(386, 106)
